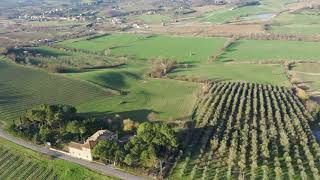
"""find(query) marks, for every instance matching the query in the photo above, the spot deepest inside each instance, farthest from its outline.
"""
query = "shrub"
(129, 125)
(302, 94)
(53, 68)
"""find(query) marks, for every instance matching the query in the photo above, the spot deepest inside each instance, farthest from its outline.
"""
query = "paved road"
(104, 169)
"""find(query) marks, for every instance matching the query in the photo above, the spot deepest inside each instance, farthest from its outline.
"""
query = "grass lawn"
(256, 50)
(18, 162)
(169, 99)
(21, 88)
(260, 73)
(183, 49)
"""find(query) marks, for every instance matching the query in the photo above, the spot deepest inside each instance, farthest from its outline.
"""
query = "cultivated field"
(247, 130)
(262, 12)
(231, 15)
(23, 87)
(259, 73)
(182, 49)
(300, 23)
(268, 50)
(17, 162)
(308, 75)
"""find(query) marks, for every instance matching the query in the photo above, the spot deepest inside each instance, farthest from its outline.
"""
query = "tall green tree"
(108, 151)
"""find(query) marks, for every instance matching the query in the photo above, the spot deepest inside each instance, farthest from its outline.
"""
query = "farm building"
(83, 151)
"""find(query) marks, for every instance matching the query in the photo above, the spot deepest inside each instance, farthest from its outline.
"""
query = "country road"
(104, 169)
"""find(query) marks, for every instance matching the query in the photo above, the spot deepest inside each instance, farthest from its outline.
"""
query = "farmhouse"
(83, 151)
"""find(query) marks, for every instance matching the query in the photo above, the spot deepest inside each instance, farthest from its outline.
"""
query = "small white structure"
(83, 151)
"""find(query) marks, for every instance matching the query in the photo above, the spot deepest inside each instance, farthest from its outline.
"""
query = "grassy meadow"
(168, 99)
(259, 73)
(17, 162)
(269, 50)
(97, 92)
(22, 88)
(302, 23)
(227, 14)
(182, 49)
(230, 15)
(308, 74)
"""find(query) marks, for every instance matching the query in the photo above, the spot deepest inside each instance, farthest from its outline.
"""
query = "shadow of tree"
(140, 115)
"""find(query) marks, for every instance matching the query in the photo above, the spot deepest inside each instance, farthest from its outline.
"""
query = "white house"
(83, 151)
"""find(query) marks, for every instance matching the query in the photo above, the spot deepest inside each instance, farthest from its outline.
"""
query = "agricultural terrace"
(17, 162)
(182, 49)
(259, 73)
(22, 88)
(268, 50)
(168, 99)
(249, 131)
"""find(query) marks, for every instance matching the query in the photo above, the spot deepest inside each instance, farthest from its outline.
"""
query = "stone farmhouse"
(83, 151)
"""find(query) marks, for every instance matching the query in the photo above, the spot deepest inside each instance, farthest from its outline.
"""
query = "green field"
(309, 74)
(70, 59)
(17, 162)
(267, 50)
(298, 29)
(182, 49)
(102, 43)
(169, 99)
(307, 67)
(267, 74)
(23, 87)
(303, 23)
(227, 14)
(230, 15)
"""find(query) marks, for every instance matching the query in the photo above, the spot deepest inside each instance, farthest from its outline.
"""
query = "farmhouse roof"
(75, 145)
(99, 133)
(91, 141)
